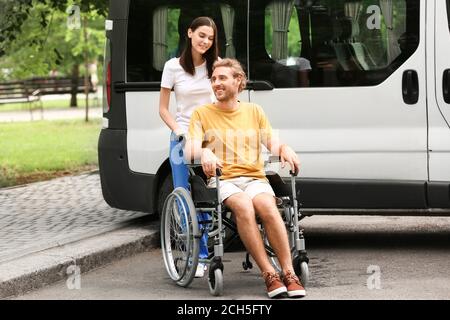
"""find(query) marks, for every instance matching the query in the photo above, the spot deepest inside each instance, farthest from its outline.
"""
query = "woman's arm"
(164, 99)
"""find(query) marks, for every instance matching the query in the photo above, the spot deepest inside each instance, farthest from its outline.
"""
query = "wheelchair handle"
(181, 138)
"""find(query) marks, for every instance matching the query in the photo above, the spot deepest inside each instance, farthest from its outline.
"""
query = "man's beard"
(226, 96)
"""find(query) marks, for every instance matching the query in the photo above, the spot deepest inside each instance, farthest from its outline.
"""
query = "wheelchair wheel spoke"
(178, 229)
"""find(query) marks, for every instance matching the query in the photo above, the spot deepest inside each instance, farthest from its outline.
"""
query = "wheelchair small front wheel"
(180, 242)
(247, 265)
(215, 282)
(301, 270)
(304, 273)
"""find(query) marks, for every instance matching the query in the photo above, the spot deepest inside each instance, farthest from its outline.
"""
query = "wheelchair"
(181, 230)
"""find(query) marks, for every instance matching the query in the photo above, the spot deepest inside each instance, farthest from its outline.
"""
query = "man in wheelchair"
(228, 135)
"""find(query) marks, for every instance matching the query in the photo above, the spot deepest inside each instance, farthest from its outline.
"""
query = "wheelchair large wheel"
(180, 241)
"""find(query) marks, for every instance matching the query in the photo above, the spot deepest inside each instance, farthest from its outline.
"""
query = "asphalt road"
(350, 258)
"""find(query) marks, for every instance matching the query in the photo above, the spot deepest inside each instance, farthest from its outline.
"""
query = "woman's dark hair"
(211, 55)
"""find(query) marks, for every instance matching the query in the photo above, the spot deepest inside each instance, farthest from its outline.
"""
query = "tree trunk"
(75, 76)
(86, 68)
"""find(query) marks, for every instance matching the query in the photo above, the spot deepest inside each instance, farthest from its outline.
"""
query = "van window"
(293, 34)
(331, 43)
(157, 31)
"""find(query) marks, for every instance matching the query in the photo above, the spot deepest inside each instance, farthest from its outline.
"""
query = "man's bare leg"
(266, 208)
(242, 207)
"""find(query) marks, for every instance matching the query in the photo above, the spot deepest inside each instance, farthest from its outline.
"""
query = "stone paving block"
(41, 215)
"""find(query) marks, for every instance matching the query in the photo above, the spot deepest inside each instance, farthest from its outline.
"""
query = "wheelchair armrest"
(277, 159)
(272, 159)
(193, 168)
(280, 188)
(194, 165)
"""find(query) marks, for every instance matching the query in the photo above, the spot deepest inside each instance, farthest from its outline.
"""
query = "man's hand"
(288, 155)
(210, 162)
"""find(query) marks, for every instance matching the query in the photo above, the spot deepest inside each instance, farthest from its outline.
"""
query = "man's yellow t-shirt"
(234, 136)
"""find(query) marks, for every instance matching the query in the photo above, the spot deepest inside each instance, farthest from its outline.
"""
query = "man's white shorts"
(250, 186)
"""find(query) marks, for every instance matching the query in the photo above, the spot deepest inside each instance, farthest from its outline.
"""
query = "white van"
(360, 89)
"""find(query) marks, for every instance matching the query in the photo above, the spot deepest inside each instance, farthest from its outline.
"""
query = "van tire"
(165, 188)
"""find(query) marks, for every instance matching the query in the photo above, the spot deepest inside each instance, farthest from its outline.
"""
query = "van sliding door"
(439, 108)
(346, 89)
(438, 48)
(157, 31)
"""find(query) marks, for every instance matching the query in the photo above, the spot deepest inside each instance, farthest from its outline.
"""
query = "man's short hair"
(236, 67)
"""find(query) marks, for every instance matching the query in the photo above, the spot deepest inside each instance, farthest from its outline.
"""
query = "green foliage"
(46, 43)
(172, 32)
(99, 6)
(12, 14)
(294, 37)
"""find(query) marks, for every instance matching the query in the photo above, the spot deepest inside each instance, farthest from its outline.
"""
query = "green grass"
(48, 104)
(38, 150)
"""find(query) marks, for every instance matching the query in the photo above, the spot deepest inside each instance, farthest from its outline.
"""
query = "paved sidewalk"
(50, 114)
(49, 228)
(50, 213)
(60, 214)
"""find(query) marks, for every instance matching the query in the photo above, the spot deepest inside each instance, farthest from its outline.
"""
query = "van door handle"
(259, 85)
(410, 87)
(446, 85)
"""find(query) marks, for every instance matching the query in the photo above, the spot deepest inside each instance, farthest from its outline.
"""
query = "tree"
(12, 15)
(99, 6)
(15, 12)
(47, 43)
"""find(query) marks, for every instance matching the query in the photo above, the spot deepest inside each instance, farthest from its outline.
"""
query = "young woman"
(189, 77)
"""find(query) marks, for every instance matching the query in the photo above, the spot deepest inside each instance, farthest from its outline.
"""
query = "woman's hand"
(179, 132)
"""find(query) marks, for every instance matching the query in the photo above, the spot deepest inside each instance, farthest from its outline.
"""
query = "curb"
(65, 262)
